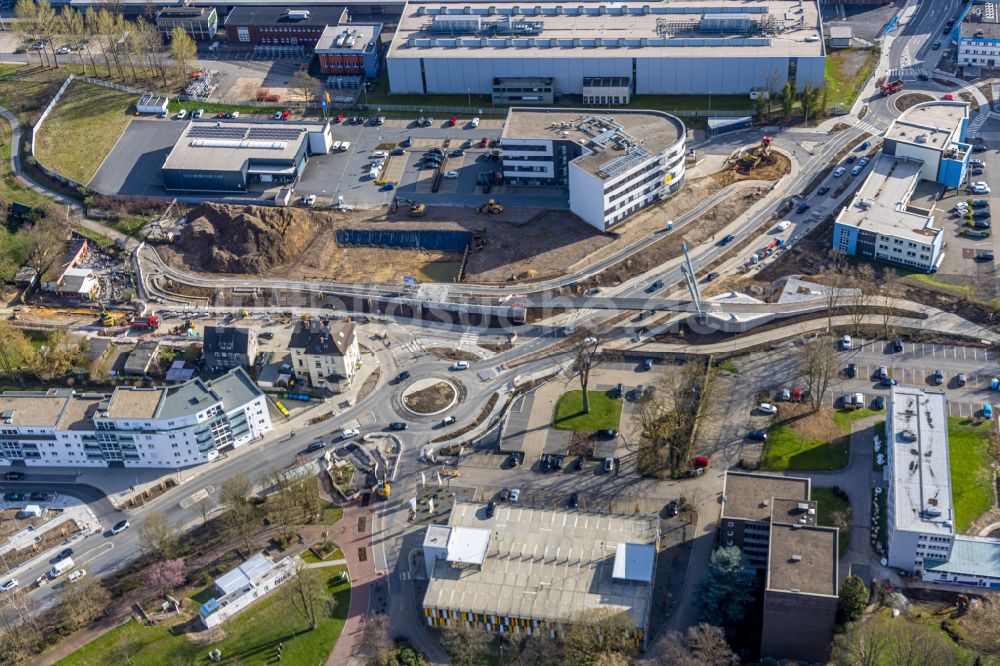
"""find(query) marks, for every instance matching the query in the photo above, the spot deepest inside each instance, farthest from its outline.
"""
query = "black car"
(13, 497)
(14, 476)
(711, 276)
(923, 77)
(852, 371)
(618, 391)
(823, 190)
(402, 377)
(458, 152)
(315, 446)
(981, 215)
(727, 240)
(573, 501)
(979, 148)
(557, 462)
(980, 203)
(757, 435)
(397, 425)
(504, 495)
(516, 458)
(654, 287)
(546, 464)
(266, 335)
(851, 159)
(897, 345)
(63, 554)
(607, 433)
(976, 171)
(879, 403)
(671, 509)
(39, 497)
(982, 224)
(803, 207)
(984, 255)
(491, 507)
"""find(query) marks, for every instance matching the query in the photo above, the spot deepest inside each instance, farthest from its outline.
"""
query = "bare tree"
(75, 29)
(27, 27)
(303, 590)
(861, 299)
(82, 602)
(596, 634)
(241, 515)
(818, 368)
(376, 646)
(204, 507)
(703, 645)
(49, 27)
(158, 536)
(889, 289)
(835, 280)
(183, 50)
(465, 645)
(305, 86)
(586, 359)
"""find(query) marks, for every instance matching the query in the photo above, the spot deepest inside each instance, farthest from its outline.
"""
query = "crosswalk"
(904, 57)
(977, 123)
(875, 130)
(908, 73)
(468, 339)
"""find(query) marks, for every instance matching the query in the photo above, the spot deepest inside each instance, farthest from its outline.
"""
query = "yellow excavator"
(491, 207)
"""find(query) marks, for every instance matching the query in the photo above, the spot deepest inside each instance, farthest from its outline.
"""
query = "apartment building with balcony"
(166, 427)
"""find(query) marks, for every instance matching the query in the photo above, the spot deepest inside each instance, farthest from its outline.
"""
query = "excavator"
(491, 207)
(416, 209)
(755, 156)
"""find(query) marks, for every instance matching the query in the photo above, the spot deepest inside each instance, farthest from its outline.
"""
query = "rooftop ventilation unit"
(803, 506)
(908, 436)
(795, 558)
(932, 512)
(297, 14)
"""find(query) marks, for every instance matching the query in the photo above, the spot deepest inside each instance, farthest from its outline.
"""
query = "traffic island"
(431, 396)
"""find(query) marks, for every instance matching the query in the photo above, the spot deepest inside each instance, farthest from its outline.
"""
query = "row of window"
(603, 99)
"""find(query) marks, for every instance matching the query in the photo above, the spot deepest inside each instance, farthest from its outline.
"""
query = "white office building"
(726, 47)
(919, 517)
(169, 427)
(978, 36)
(612, 166)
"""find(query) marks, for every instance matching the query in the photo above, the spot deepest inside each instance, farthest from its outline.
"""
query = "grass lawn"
(844, 418)
(829, 504)
(10, 187)
(925, 280)
(130, 226)
(971, 478)
(605, 411)
(26, 97)
(82, 129)
(332, 514)
(787, 449)
(309, 556)
(251, 636)
(846, 72)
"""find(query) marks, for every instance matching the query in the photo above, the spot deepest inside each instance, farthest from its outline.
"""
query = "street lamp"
(468, 91)
(709, 101)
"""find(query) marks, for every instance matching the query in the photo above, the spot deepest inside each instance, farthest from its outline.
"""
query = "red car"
(949, 97)
(285, 115)
(484, 142)
(340, 118)
(220, 114)
(699, 462)
(453, 121)
(796, 395)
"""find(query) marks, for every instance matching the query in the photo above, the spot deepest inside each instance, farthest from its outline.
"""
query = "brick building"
(274, 28)
(350, 50)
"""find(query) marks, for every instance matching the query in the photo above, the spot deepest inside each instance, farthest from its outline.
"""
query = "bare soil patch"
(370, 383)
(450, 354)
(10, 523)
(431, 399)
(814, 425)
(776, 166)
(49, 538)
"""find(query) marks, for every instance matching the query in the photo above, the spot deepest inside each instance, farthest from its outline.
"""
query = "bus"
(281, 408)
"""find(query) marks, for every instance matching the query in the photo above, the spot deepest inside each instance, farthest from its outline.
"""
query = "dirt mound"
(246, 239)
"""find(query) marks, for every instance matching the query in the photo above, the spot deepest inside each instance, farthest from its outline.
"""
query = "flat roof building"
(280, 30)
(201, 23)
(243, 586)
(611, 166)
(216, 156)
(533, 570)
(772, 520)
(977, 34)
(165, 427)
(353, 49)
(680, 47)
(920, 520)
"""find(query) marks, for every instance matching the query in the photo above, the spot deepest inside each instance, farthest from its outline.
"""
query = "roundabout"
(429, 397)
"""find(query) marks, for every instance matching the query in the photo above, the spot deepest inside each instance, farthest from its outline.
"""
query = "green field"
(844, 418)
(786, 449)
(971, 475)
(828, 504)
(605, 411)
(309, 556)
(846, 71)
(250, 637)
(82, 129)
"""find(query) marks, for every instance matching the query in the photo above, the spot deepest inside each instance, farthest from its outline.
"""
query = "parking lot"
(133, 166)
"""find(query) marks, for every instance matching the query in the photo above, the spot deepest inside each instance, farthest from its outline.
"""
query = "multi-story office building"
(228, 347)
(611, 166)
(278, 30)
(728, 47)
(325, 352)
(523, 91)
(927, 142)
(350, 50)
(772, 520)
(536, 570)
(920, 520)
(175, 426)
(977, 34)
(201, 23)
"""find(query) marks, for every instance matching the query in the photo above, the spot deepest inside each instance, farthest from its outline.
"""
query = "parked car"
(315, 446)
(266, 335)
(120, 527)
(879, 403)
(397, 425)
(618, 391)
(851, 159)
(979, 148)
(767, 408)
(803, 207)
(515, 493)
(607, 433)
(14, 476)
(897, 345)
(671, 509)
(699, 462)
(859, 400)
(557, 462)
(459, 365)
(504, 495)
(349, 433)
(987, 411)
(797, 395)
(851, 371)
(9, 585)
(38, 497)
(13, 497)
(980, 203)
(757, 435)
(451, 174)
(961, 379)
(647, 364)
(847, 400)
(198, 113)
(984, 255)
(77, 575)
(786, 394)
(938, 377)
(845, 342)
(545, 464)
(609, 464)
(516, 458)
(882, 372)
(491, 508)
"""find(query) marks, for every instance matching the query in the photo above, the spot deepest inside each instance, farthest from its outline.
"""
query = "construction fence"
(425, 239)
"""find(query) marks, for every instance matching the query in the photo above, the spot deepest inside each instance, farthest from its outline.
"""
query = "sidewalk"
(352, 540)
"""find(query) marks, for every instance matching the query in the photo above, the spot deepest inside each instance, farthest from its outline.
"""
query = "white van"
(182, 114)
(380, 155)
(345, 145)
(61, 567)
(784, 224)
(335, 146)
(475, 123)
